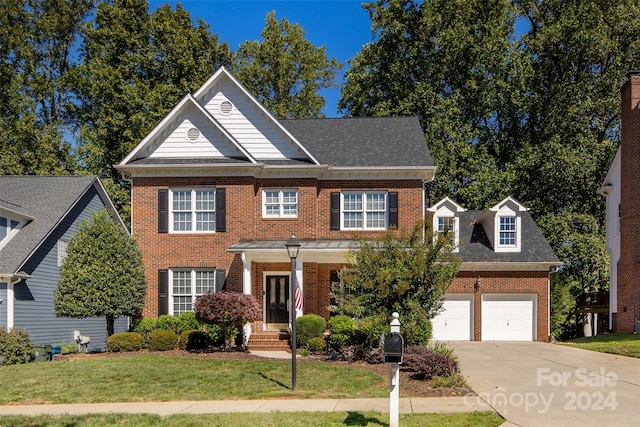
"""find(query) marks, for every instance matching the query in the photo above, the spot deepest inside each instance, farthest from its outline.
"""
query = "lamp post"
(293, 247)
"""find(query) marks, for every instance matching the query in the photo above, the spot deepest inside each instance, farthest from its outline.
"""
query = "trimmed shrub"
(214, 332)
(145, 325)
(187, 321)
(342, 329)
(316, 344)
(309, 326)
(125, 341)
(167, 322)
(416, 330)
(197, 340)
(426, 363)
(162, 340)
(15, 346)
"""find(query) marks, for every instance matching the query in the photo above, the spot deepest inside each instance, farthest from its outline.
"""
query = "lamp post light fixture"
(293, 247)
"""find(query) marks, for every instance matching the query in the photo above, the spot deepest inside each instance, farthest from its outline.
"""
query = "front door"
(277, 298)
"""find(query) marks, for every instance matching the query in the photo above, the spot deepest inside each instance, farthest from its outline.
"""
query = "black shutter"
(393, 210)
(163, 211)
(335, 211)
(221, 275)
(163, 292)
(221, 209)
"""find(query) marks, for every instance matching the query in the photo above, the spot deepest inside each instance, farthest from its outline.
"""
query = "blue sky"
(343, 26)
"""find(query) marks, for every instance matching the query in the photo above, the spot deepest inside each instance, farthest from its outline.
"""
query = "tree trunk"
(110, 322)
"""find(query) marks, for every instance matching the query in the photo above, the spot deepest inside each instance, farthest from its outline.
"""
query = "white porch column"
(246, 289)
(299, 278)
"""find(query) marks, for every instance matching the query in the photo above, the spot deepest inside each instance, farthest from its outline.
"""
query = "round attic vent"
(226, 107)
(193, 134)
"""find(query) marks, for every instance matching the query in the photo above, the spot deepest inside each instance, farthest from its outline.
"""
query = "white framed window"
(364, 210)
(62, 251)
(507, 231)
(446, 224)
(193, 210)
(281, 203)
(187, 285)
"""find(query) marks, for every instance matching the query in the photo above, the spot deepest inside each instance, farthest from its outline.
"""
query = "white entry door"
(454, 322)
(508, 317)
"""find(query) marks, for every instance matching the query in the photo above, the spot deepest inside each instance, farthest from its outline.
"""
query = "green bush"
(309, 326)
(145, 325)
(162, 340)
(68, 348)
(316, 344)
(214, 332)
(426, 364)
(15, 346)
(125, 341)
(187, 321)
(342, 329)
(416, 330)
(167, 322)
(369, 332)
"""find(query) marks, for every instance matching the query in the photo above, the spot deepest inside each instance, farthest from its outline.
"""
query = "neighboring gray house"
(38, 217)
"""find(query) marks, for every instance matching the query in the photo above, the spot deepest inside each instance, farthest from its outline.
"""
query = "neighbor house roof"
(44, 199)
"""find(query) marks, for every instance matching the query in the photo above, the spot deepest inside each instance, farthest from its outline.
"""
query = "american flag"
(299, 299)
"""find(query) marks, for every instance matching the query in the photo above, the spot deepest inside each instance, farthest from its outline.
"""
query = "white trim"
(363, 211)
(193, 211)
(192, 278)
(280, 203)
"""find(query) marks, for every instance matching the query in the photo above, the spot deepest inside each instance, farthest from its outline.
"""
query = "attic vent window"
(193, 134)
(226, 107)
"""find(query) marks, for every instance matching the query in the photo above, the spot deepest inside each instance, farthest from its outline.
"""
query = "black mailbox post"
(393, 348)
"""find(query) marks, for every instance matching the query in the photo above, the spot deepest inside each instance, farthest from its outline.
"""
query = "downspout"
(552, 271)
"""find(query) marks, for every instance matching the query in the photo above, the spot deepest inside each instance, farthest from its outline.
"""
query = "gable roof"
(244, 138)
(475, 246)
(45, 199)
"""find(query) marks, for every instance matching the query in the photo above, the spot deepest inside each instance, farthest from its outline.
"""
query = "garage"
(454, 323)
(508, 317)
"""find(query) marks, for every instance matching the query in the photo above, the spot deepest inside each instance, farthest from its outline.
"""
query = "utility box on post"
(393, 348)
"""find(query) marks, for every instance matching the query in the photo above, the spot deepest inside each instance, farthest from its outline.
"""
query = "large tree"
(102, 274)
(37, 39)
(136, 66)
(285, 71)
(407, 273)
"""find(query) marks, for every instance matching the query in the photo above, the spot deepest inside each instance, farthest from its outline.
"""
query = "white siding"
(253, 129)
(211, 142)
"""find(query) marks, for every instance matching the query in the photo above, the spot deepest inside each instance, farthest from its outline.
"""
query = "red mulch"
(409, 387)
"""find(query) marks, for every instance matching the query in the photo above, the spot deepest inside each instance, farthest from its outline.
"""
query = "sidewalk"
(408, 405)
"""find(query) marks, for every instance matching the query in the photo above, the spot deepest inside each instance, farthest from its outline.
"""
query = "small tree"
(102, 274)
(228, 310)
(407, 273)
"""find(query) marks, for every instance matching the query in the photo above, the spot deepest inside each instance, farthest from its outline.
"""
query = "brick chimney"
(629, 263)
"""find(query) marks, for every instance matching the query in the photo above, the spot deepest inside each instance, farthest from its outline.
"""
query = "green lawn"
(623, 344)
(156, 377)
(272, 419)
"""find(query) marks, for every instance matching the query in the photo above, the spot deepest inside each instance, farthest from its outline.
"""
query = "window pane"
(205, 282)
(375, 220)
(206, 221)
(182, 304)
(272, 210)
(271, 197)
(181, 283)
(376, 202)
(446, 224)
(353, 220)
(289, 197)
(182, 200)
(353, 202)
(205, 200)
(507, 230)
(182, 221)
(290, 210)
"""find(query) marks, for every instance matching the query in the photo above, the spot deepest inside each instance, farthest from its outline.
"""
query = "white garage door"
(454, 322)
(508, 317)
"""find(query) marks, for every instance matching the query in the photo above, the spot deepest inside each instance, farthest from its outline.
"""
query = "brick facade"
(628, 282)
(244, 222)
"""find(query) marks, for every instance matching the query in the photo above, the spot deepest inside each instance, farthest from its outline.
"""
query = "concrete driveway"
(540, 384)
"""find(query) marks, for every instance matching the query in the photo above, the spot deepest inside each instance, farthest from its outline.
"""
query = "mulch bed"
(409, 387)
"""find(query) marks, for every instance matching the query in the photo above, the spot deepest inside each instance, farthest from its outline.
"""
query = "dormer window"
(446, 215)
(503, 225)
(507, 231)
(8, 228)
